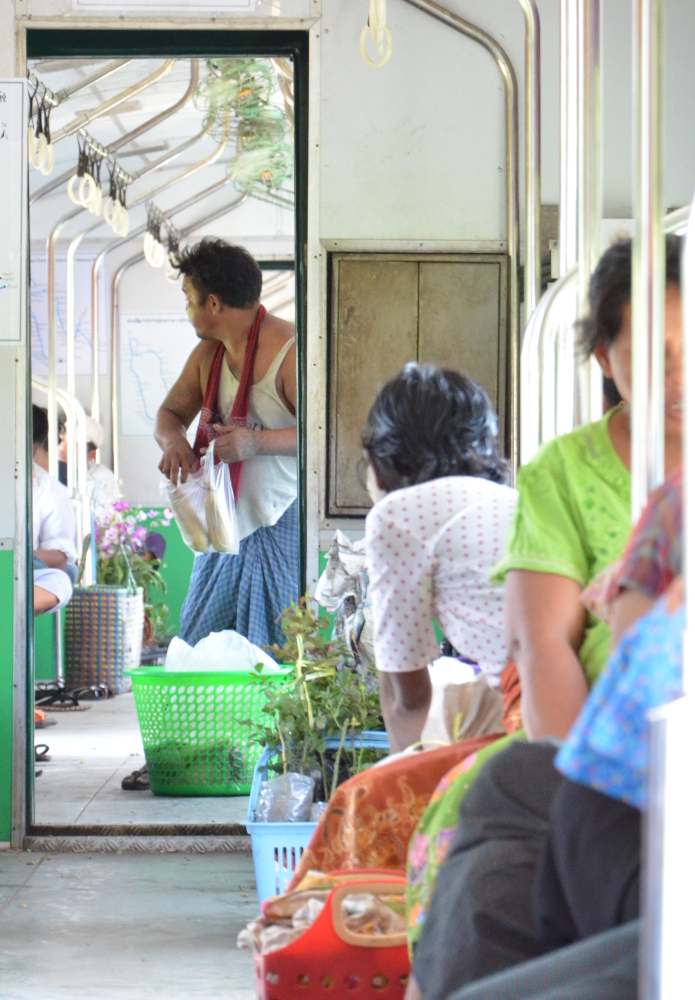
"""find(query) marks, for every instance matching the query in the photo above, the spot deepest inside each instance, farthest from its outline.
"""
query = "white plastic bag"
(226, 650)
(187, 501)
(204, 507)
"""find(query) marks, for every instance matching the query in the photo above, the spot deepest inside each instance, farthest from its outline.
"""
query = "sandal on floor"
(51, 693)
(41, 752)
(93, 692)
(138, 781)
(41, 721)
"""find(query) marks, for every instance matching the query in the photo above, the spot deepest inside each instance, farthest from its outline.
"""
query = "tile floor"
(111, 927)
(90, 753)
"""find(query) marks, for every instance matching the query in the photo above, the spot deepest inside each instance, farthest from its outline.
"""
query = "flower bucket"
(103, 636)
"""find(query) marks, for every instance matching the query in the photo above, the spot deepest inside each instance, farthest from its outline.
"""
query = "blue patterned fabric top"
(608, 746)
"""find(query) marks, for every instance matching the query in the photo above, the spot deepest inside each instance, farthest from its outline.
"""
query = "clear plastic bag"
(285, 799)
(187, 501)
(220, 509)
(204, 507)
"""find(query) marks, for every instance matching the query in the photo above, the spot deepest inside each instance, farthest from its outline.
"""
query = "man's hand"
(178, 455)
(235, 444)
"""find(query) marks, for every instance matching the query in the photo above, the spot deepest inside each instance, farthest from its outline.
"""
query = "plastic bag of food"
(286, 799)
(204, 507)
(220, 509)
(187, 501)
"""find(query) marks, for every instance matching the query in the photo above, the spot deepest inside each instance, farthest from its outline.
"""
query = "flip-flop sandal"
(138, 781)
(37, 774)
(50, 693)
(41, 752)
(95, 692)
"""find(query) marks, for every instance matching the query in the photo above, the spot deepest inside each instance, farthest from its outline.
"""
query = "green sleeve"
(545, 535)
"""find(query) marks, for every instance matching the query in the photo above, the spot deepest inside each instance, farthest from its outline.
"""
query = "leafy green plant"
(326, 697)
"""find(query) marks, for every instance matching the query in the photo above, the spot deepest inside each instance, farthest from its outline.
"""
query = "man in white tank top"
(222, 284)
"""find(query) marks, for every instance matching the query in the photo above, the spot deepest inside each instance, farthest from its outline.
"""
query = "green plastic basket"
(191, 723)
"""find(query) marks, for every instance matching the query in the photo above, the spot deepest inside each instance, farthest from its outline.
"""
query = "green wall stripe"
(6, 605)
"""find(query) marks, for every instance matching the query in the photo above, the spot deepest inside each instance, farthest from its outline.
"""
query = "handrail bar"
(540, 338)
(506, 68)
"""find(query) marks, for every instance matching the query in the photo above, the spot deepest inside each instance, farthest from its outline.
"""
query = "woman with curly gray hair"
(441, 515)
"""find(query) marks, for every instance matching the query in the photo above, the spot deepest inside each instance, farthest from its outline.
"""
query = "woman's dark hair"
(39, 431)
(216, 267)
(610, 290)
(430, 422)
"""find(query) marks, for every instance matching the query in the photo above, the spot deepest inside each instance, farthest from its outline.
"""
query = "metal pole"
(89, 116)
(549, 346)
(512, 169)
(532, 265)
(58, 666)
(129, 136)
(51, 304)
(77, 239)
(88, 81)
(665, 960)
(569, 132)
(648, 265)
(188, 172)
(590, 190)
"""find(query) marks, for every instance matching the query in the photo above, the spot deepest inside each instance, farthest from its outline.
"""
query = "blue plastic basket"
(278, 847)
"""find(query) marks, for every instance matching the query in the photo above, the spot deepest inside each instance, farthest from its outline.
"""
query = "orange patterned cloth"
(510, 686)
(371, 817)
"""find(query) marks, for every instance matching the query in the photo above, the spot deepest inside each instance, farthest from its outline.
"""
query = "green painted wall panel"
(6, 603)
(178, 563)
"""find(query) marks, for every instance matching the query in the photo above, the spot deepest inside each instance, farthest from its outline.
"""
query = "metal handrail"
(76, 431)
(532, 265)
(77, 239)
(512, 146)
(540, 416)
(50, 264)
(534, 404)
(60, 96)
(648, 263)
(129, 136)
(115, 443)
(589, 189)
(569, 137)
(188, 172)
(188, 203)
(89, 116)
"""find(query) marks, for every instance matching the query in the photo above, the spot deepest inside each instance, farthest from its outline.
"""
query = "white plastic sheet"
(218, 651)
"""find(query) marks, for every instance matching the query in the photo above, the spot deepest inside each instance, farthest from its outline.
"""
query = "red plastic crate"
(330, 961)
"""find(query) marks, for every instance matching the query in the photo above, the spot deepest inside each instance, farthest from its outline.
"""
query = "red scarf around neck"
(209, 413)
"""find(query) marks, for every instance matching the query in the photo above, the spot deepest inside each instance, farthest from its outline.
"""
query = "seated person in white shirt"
(102, 485)
(442, 510)
(53, 527)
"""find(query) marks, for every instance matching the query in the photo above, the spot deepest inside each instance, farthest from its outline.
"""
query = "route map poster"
(152, 350)
(84, 262)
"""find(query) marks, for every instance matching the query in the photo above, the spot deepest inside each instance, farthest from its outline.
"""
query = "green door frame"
(176, 43)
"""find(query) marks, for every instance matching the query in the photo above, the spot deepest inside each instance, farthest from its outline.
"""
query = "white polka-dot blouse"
(430, 551)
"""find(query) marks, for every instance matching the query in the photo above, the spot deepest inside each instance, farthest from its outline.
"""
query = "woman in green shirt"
(572, 520)
(573, 515)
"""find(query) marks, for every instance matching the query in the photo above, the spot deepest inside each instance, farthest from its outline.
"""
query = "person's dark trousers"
(480, 919)
(603, 967)
(588, 876)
